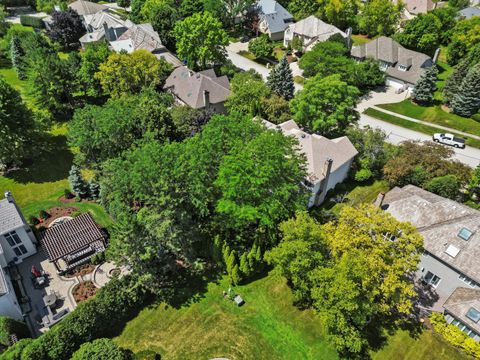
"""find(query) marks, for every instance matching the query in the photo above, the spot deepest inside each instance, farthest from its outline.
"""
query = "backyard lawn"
(268, 326)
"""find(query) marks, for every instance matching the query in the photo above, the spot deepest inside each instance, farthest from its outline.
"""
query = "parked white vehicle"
(449, 139)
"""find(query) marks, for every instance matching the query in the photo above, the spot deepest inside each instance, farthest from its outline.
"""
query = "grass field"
(268, 326)
(429, 130)
(360, 39)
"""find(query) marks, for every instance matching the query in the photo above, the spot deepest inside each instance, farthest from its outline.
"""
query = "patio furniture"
(39, 282)
(50, 300)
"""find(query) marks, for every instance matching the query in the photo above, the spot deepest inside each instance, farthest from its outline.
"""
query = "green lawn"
(20, 85)
(429, 130)
(360, 39)
(268, 326)
(444, 72)
(435, 115)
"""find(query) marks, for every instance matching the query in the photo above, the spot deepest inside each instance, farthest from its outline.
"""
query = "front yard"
(268, 326)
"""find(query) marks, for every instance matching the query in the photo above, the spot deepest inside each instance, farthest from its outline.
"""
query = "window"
(468, 281)
(465, 234)
(20, 250)
(402, 68)
(473, 314)
(12, 238)
(432, 279)
(383, 65)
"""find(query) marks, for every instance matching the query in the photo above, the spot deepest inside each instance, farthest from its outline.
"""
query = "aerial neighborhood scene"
(239, 179)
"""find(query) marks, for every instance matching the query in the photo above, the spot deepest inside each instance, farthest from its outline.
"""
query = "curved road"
(396, 134)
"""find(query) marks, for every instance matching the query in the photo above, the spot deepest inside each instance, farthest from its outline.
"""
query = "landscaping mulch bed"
(55, 213)
(81, 270)
(66, 200)
(84, 291)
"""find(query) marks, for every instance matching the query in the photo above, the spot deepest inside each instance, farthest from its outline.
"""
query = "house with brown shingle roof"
(328, 160)
(403, 67)
(462, 309)
(73, 242)
(201, 90)
(83, 7)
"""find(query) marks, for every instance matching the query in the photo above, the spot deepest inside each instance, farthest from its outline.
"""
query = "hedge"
(10, 326)
(99, 317)
(455, 336)
(35, 22)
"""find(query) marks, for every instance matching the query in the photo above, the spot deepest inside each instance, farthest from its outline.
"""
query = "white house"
(311, 31)
(17, 242)
(328, 161)
(273, 18)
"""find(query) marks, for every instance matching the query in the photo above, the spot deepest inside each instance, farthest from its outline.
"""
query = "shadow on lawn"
(51, 161)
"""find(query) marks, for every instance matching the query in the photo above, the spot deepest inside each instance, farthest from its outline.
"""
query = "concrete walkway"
(447, 129)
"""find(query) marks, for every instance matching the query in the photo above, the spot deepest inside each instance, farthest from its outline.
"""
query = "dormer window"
(402, 67)
(383, 65)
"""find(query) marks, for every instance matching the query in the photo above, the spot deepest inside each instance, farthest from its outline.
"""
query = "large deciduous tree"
(261, 46)
(326, 105)
(126, 74)
(247, 92)
(162, 14)
(425, 87)
(467, 101)
(201, 40)
(422, 33)
(93, 55)
(17, 127)
(380, 17)
(465, 35)
(280, 80)
(355, 272)
(342, 14)
(66, 28)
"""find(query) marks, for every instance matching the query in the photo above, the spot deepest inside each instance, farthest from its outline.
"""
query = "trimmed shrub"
(10, 326)
(476, 117)
(33, 220)
(32, 21)
(44, 215)
(363, 175)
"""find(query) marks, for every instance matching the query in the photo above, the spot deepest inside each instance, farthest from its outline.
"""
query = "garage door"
(397, 84)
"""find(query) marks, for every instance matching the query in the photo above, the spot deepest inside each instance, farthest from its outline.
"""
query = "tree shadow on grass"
(51, 160)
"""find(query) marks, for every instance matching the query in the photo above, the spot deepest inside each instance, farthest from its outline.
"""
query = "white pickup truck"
(449, 139)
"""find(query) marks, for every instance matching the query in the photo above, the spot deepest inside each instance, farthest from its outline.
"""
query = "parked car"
(449, 139)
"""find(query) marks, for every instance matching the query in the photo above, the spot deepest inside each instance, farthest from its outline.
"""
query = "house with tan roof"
(416, 7)
(83, 7)
(328, 160)
(311, 31)
(450, 264)
(104, 26)
(201, 90)
(403, 67)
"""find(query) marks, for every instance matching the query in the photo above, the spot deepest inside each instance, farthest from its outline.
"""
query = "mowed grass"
(360, 39)
(268, 326)
(429, 130)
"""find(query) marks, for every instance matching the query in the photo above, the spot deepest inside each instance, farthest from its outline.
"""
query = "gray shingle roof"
(274, 15)
(439, 221)
(86, 7)
(469, 12)
(189, 86)
(10, 216)
(318, 148)
(460, 302)
(314, 28)
(387, 50)
(70, 236)
(419, 6)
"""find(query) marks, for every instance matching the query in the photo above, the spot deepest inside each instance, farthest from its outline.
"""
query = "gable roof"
(10, 216)
(460, 302)
(111, 19)
(318, 149)
(313, 27)
(70, 236)
(140, 36)
(274, 15)
(387, 50)
(439, 221)
(419, 6)
(189, 86)
(86, 7)
(469, 12)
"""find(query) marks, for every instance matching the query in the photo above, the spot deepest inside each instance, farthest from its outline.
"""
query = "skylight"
(452, 250)
(465, 234)
(473, 314)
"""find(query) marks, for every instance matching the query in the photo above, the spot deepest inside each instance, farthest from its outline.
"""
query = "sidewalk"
(426, 123)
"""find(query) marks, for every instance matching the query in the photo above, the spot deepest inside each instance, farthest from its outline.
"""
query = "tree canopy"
(422, 33)
(380, 17)
(103, 348)
(247, 91)
(66, 28)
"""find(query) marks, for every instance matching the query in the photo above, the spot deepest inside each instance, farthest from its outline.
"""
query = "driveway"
(396, 134)
(243, 63)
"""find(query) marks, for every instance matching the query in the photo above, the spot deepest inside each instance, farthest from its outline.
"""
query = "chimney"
(379, 201)
(105, 28)
(349, 38)
(206, 99)
(322, 191)
(437, 54)
(9, 197)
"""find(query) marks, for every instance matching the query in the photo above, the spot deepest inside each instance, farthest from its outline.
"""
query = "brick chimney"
(206, 99)
(322, 192)
(9, 197)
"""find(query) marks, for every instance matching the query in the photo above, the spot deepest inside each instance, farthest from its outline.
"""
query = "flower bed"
(84, 291)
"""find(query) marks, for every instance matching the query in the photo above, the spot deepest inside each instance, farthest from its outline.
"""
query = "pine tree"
(425, 86)
(235, 277)
(280, 80)
(225, 253)
(217, 250)
(232, 268)
(467, 101)
(77, 183)
(17, 56)
(94, 190)
(454, 81)
(251, 257)
(244, 265)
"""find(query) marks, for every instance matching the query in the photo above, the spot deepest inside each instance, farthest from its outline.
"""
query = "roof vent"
(452, 250)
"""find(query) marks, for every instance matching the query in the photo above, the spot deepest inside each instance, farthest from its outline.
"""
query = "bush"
(32, 21)
(476, 117)
(446, 186)
(15, 352)
(98, 258)
(44, 215)
(78, 199)
(33, 220)
(10, 326)
(261, 46)
(455, 336)
(147, 355)
(67, 193)
(363, 175)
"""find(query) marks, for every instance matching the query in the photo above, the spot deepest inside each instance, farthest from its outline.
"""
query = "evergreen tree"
(235, 277)
(217, 250)
(93, 190)
(16, 55)
(233, 270)
(77, 183)
(244, 265)
(454, 81)
(225, 253)
(426, 86)
(251, 257)
(467, 101)
(280, 80)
